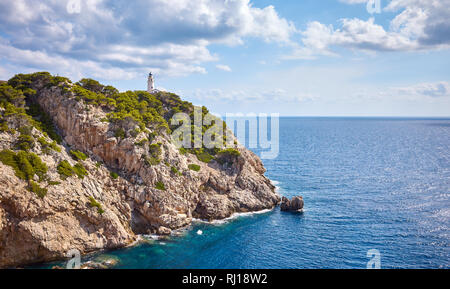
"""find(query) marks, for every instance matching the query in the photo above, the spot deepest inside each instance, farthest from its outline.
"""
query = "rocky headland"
(86, 167)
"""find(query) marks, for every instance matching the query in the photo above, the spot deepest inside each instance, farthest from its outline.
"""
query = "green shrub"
(94, 204)
(91, 84)
(4, 127)
(8, 158)
(175, 171)
(13, 96)
(35, 188)
(114, 175)
(109, 90)
(160, 186)
(204, 157)
(53, 183)
(26, 130)
(120, 133)
(155, 150)
(65, 170)
(25, 164)
(155, 153)
(98, 165)
(151, 161)
(25, 142)
(43, 142)
(12, 99)
(88, 96)
(78, 156)
(55, 147)
(135, 132)
(142, 142)
(80, 171)
(140, 106)
(10, 96)
(230, 152)
(40, 169)
(47, 146)
(152, 136)
(194, 167)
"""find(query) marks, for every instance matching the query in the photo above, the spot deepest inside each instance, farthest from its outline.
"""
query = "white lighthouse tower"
(150, 83)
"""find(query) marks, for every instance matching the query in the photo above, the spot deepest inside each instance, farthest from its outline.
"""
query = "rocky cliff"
(86, 167)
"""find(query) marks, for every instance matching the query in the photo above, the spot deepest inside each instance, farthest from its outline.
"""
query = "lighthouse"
(150, 83)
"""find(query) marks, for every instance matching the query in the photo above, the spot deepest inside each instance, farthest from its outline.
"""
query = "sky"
(292, 57)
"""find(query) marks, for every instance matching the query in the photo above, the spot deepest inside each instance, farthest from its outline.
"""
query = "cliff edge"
(86, 167)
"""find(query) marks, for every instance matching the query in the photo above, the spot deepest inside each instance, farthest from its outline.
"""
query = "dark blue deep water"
(379, 184)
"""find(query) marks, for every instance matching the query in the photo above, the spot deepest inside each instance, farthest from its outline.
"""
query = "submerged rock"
(294, 205)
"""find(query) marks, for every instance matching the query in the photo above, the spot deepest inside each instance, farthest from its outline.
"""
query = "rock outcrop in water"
(294, 205)
(77, 172)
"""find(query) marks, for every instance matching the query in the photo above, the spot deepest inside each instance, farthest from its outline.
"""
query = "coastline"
(177, 233)
(232, 217)
(145, 238)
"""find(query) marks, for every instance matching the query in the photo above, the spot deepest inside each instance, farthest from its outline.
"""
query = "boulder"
(164, 231)
(294, 205)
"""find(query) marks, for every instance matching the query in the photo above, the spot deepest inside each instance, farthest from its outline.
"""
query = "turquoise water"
(379, 184)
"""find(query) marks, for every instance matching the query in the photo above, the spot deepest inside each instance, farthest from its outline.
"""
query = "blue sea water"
(368, 183)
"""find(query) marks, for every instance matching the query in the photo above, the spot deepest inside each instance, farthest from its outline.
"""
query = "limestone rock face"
(34, 229)
(294, 205)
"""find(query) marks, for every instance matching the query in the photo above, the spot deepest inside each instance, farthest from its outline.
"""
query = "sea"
(376, 192)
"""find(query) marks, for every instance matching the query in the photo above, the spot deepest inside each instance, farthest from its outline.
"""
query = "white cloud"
(130, 37)
(37, 60)
(426, 89)
(223, 67)
(249, 95)
(420, 25)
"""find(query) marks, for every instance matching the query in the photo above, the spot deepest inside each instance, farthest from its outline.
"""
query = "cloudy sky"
(293, 57)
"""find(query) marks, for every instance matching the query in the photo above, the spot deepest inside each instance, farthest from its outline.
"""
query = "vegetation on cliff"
(77, 155)
(94, 204)
(160, 186)
(150, 112)
(194, 167)
(65, 170)
(26, 165)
